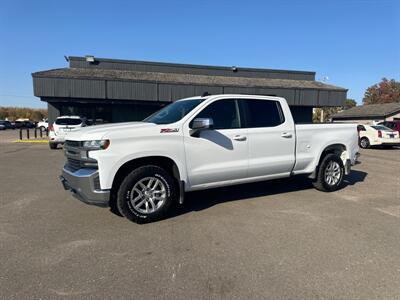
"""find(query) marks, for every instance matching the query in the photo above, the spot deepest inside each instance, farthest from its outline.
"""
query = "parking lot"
(270, 240)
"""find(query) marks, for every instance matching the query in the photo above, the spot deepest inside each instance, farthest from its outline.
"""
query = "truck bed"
(312, 139)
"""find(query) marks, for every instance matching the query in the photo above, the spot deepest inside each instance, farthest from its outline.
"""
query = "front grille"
(73, 164)
(77, 158)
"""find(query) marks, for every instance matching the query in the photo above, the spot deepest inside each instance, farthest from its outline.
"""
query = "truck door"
(271, 138)
(219, 154)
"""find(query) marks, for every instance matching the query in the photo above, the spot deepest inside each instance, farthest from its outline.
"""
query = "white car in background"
(43, 125)
(61, 127)
(377, 135)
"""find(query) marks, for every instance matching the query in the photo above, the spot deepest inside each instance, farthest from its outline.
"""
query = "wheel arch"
(165, 162)
(336, 148)
(333, 148)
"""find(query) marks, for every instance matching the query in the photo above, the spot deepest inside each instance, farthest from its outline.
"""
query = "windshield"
(173, 112)
(67, 121)
(381, 127)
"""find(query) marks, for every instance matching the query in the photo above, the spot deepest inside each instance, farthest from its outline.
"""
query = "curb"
(32, 141)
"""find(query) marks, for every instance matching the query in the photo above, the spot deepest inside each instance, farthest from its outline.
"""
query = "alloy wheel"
(333, 173)
(148, 195)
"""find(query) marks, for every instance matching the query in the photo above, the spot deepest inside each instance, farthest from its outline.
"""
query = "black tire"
(320, 182)
(364, 143)
(128, 210)
(53, 146)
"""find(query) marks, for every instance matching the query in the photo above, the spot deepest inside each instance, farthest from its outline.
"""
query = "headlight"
(96, 144)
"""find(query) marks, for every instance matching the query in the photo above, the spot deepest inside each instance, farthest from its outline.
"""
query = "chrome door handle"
(287, 135)
(239, 138)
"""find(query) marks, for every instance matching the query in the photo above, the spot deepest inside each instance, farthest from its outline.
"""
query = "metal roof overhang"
(106, 84)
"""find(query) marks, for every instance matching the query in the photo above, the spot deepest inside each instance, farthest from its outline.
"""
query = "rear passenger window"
(225, 114)
(263, 113)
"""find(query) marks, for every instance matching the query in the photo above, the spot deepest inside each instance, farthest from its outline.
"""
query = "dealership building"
(112, 90)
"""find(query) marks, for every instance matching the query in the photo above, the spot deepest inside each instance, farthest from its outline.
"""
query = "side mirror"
(200, 124)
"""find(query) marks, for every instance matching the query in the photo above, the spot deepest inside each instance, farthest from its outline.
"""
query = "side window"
(225, 114)
(263, 113)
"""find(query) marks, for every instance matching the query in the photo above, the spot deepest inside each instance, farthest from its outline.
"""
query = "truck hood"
(97, 132)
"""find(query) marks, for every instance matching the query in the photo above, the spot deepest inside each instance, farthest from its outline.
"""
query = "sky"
(353, 43)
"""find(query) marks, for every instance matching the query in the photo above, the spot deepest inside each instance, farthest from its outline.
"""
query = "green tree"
(349, 103)
(13, 113)
(324, 114)
(386, 91)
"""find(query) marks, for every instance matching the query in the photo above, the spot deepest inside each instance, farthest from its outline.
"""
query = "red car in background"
(394, 125)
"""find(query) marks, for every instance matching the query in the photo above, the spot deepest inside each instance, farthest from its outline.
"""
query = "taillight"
(379, 133)
(51, 127)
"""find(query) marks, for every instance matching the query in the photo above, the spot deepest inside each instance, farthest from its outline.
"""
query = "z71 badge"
(168, 130)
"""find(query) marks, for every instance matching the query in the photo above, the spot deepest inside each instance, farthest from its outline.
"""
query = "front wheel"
(146, 194)
(330, 174)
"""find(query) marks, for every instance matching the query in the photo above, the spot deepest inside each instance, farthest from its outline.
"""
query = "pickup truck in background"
(142, 168)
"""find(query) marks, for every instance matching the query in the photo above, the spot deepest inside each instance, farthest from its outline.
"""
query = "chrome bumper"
(82, 184)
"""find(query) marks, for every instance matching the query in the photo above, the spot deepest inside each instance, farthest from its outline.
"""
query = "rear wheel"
(330, 174)
(146, 194)
(53, 145)
(364, 143)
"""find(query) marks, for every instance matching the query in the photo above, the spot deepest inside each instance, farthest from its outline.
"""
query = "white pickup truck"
(142, 168)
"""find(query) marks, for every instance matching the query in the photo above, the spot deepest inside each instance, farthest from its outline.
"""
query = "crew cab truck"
(142, 168)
